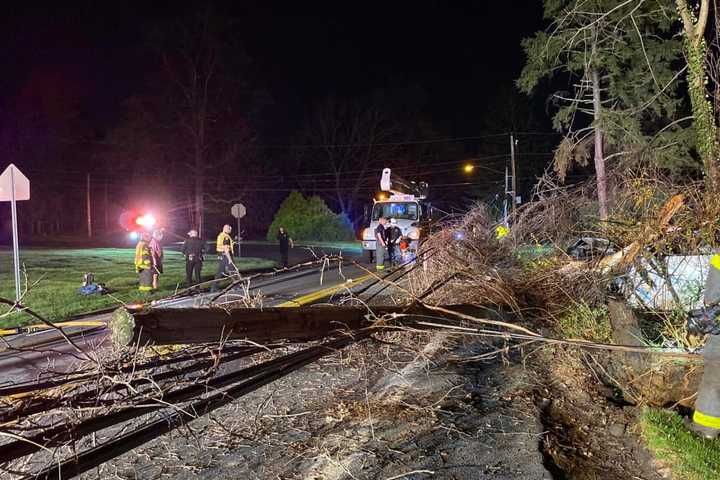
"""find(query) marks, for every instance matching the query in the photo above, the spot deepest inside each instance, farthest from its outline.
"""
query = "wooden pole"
(190, 326)
(87, 207)
(105, 210)
(170, 326)
(514, 173)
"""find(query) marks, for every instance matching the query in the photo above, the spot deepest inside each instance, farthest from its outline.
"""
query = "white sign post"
(238, 211)
(14, 187)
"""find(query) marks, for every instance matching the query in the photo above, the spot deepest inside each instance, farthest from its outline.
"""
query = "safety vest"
(223, 239)
(501, 231)
(143, 259)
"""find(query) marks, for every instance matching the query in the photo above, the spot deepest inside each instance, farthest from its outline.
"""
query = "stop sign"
(238, 210)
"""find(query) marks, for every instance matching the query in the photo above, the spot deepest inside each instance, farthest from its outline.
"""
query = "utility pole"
(87, 207)
(514, 172)
(505, 201)
(105, 210)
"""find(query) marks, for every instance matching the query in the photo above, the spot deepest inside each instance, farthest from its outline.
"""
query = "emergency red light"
(146, 220)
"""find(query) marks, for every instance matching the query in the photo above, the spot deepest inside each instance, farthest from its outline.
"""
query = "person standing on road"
(286, 243)
(392, 238)
(143, 263)
(224, 249)
(380, 244)
(156, 252)
(193, 249)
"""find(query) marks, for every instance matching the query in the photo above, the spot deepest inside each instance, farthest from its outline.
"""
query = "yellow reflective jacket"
(501, 231)
(143, 259)
(224, 239)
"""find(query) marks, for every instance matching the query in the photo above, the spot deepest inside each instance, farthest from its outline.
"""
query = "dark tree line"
(188, 142)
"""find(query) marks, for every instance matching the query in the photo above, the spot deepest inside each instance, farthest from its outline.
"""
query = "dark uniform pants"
(193, 268)
(392, 253)
(706, 419)
(222, 272)
(284, 256)
(146, 278)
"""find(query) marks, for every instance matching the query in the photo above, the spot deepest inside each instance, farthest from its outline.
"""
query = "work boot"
(706, 419)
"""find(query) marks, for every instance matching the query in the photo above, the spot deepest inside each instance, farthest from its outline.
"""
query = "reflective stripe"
(379, 267)
(706, 420)
(715, 261)
(144, 289)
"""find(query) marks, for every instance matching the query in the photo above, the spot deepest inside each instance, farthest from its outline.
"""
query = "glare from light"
(469, 168)
(382, 196)
(133, 235)
(147, 220)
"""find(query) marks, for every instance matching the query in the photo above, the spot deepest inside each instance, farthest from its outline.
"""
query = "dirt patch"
(592, 430)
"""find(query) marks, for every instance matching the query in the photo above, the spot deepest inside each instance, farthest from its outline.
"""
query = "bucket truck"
(404, 201)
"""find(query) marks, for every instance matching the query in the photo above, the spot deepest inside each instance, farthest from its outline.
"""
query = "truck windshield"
(398, 210)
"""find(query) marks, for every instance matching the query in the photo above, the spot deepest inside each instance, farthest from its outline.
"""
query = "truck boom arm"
(396, 185)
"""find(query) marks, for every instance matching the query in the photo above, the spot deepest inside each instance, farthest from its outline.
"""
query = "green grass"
(59, 272)
(687, 455)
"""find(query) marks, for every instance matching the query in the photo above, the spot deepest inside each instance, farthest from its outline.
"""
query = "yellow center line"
(42, 326)
(325, 292)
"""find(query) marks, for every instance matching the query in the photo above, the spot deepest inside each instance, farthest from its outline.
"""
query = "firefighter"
(156, 253)
(380, 245)
(224, 249)
(193, 249)
(706, 419)
(143, 262)
(285, 243)
(392, 238)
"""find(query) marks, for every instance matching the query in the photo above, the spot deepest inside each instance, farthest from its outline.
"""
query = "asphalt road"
(37, 356)
(297, 255)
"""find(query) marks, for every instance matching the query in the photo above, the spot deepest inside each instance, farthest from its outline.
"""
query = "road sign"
(14, 186)
(238, 210)
(22, 185)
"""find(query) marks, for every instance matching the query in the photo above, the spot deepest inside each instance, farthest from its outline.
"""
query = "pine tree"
(618, 57)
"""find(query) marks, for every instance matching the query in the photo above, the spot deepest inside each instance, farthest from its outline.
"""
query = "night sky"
(450, 61)
(457, 54)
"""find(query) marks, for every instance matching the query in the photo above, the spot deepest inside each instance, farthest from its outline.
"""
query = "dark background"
(452, 65)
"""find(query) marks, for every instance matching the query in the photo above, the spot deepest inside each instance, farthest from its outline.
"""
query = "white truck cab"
(408, 209)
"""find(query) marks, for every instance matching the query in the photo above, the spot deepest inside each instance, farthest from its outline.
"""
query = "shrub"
(310, 219)
(583, 321)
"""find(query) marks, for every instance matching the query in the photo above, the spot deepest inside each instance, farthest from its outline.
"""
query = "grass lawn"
(59, 272)
(688, 456)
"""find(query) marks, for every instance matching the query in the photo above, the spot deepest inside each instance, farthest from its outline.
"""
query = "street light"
(468, 168)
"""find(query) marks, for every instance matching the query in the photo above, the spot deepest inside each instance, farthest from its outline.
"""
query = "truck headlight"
(414, 234)
(367, 234)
